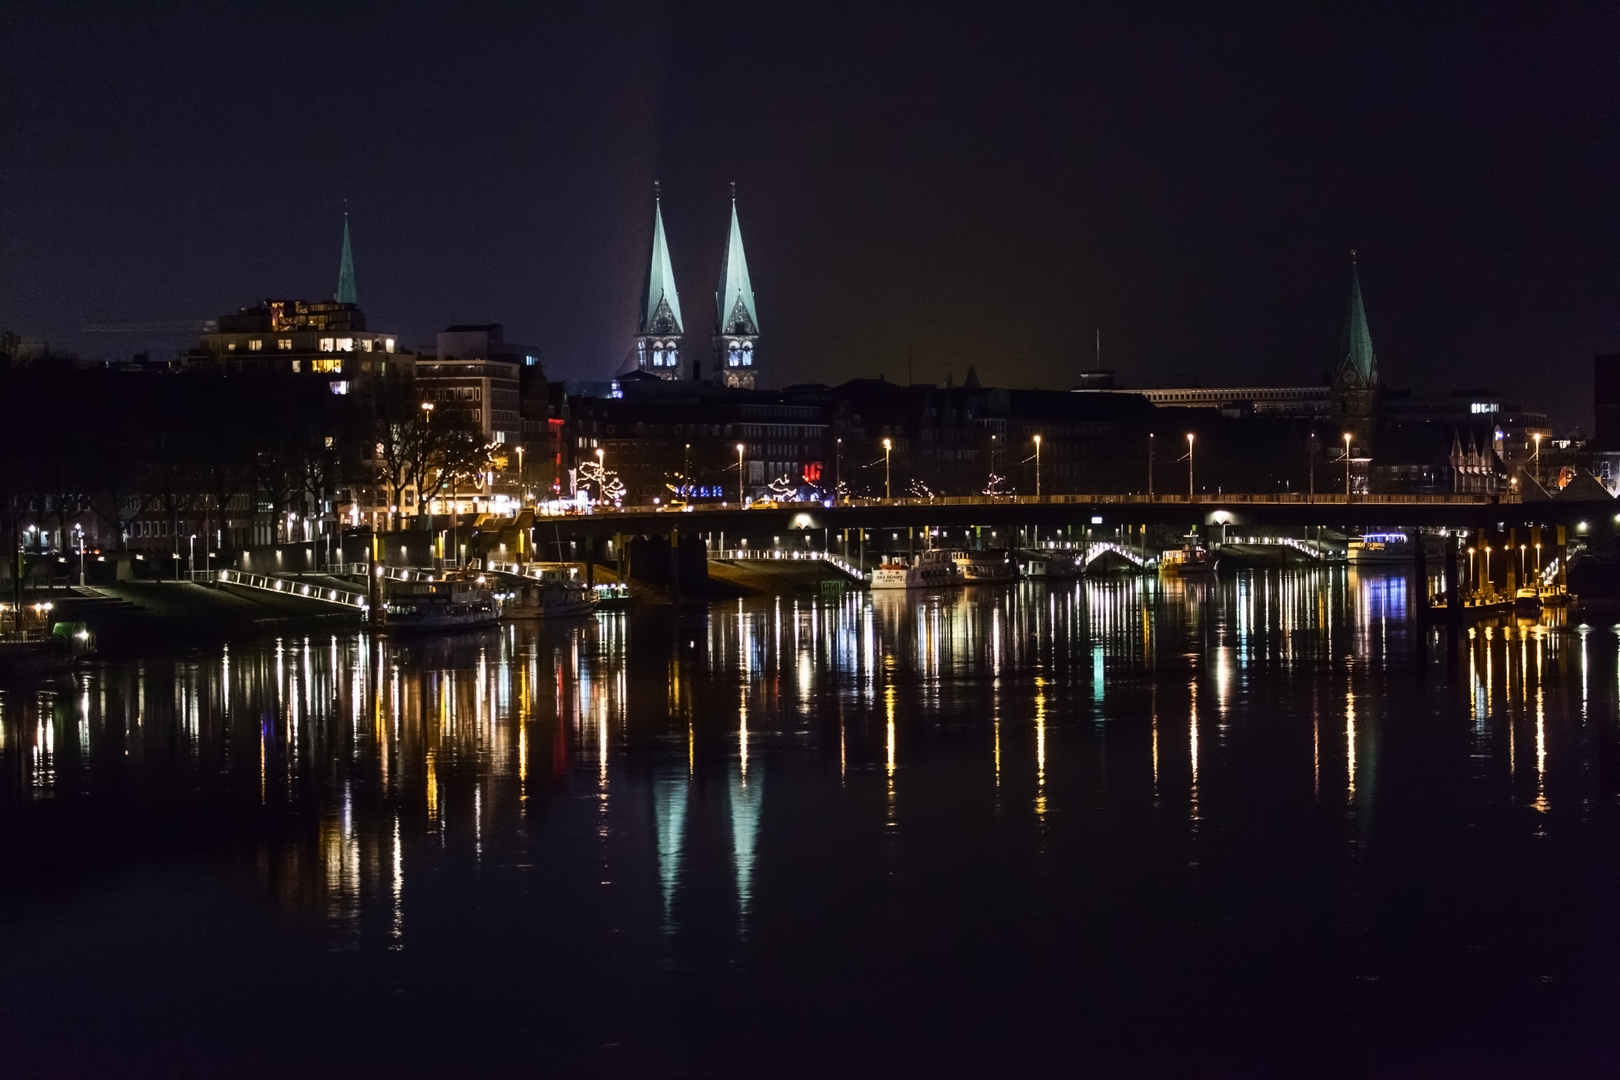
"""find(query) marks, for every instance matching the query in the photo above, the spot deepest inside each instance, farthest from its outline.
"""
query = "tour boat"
(554, 594)
(932, 570)
(1193, 560)
(1380, 549)
(38, 646)
(453, 604)
(990, 566)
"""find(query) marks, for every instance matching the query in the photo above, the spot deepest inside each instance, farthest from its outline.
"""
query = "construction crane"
(177, 326)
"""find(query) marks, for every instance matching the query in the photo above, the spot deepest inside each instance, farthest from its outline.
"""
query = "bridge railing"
(1279, 498)
(326, 594)
(827, 557)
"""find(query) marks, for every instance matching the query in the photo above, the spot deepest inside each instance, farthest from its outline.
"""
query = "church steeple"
(737, 323)
(658, 339)
(1357, 365)
(346, 293)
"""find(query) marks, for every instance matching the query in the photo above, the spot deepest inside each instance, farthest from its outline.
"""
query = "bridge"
(1282, 509)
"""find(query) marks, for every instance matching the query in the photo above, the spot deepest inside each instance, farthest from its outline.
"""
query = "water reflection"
(631, 755)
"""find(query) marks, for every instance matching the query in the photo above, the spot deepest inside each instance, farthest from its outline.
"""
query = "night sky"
(984, 185)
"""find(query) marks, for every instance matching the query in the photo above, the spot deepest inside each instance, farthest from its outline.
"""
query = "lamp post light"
(1537, 438)
(79, 530)
(1347, 465)
(1471, 582)
(1189, 465)
(887, 446)
(686, 470)
(1489, 589)
(739, 475)
(523, 495)
(838, 471)
(191, 556)
(1037, 466)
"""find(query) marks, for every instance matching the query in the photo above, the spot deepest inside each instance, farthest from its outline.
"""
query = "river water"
(1264, 827)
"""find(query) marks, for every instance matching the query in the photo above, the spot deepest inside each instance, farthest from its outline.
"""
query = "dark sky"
(982, 185)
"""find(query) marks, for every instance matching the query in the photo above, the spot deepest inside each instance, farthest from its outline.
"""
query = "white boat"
(453, 604)
(990, 566)
(1380, 549)
(553, 594)
(932, 570)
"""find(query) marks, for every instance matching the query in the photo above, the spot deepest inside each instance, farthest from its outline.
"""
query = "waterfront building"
(471, 376)
(323, 339)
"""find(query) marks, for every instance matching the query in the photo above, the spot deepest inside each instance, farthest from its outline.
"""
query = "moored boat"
(1380, 549)
(988, 566)
(1051, 565)
(934, 569)
(449, 604)
(554, 594)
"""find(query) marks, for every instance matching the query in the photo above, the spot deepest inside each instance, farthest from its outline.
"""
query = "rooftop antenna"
(658, 191)
(734, 191)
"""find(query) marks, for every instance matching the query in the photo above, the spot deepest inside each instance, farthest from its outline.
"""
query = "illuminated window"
(365, 344)
(255, 345)
(325, 367)
(326, 344)
(339, 386)
(284, 344)
(230, 346)
(345, 344)
(296, 367)
(388, 345)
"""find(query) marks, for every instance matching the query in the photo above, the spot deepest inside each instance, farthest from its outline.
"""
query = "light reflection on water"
(636, 760)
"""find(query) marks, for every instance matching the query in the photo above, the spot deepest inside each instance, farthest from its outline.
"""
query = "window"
(345, 344)
(296, 367)
(326, 344)
(500, 436)
(388, 345)
(230, 346)
(284, 344)
(255, 345)
(365, 344)
(339, 386)
(325, 367)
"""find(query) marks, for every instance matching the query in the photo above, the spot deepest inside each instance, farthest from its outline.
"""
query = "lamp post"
(686, 471)
(1347, 465)
(1537, 438)
(1150, 465)
(739, 474)
(1489, 589)
(79, 529)
(1189, 465)
(523, 495)
(887, 446)
(838, 472)
(1037, 466)
(191, 555)
(1472, 584)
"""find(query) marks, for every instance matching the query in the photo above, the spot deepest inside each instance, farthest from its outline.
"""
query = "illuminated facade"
(324, 339)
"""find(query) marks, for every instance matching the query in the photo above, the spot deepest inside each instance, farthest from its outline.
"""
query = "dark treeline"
(100, 448)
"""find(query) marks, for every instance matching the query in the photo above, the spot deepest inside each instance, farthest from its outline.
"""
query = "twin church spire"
(659, 334)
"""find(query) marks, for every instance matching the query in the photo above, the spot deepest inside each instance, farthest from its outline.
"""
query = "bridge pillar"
(675, 564)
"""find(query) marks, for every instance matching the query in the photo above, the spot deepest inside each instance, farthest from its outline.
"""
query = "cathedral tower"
(737, 325)
(658, 338)
(1355, 374)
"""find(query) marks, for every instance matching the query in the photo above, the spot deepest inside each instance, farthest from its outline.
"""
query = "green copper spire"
(734, 301)
(346, 293)
(659, 290)
(1358, 365)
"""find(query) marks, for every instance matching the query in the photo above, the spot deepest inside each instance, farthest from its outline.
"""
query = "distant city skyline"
(1191, 186)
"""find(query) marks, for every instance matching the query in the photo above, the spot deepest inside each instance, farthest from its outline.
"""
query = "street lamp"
(523, 495)
(886, 448)
(1189, 465)
(1471, 582)
(79, 529)
(1037, 466)
(1537, 438)
(191, 555)
(427, 409)
(838, 473)
(739, 474)
(1150, 465)
(1347, 465)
